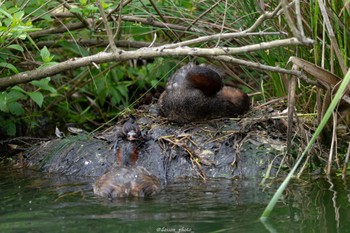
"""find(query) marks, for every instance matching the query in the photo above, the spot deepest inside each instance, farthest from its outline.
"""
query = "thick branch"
(97, 43)
(122, 55)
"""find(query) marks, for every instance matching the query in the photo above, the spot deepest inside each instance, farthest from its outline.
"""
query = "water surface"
(36, 202)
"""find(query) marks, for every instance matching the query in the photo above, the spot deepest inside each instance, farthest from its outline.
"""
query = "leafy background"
(88, 97)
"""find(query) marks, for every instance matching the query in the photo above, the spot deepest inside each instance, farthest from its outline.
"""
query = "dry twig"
(143, 53)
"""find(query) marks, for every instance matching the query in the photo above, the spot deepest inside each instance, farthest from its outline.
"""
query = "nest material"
(250, 146)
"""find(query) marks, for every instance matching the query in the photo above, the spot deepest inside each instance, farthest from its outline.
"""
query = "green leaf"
(16, 47)
(17, 88)
(91, 8)
(9, 66)
(14, 95)
(3, 29)
(22, 36)
(3, 102)
(44, 84)
(76, 10)
(83, 2)
(10, 128)
(18, 15)
(5, 13)
(123, 90)
(105, 5)
(45, 55)
(16, 108)
(37, 97)
(115, 96)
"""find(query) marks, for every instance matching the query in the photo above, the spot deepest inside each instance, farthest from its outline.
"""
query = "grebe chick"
(127, 180)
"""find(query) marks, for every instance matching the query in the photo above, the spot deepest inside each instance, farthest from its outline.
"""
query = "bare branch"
(296, 31)
(122, 55)
(56, 30)
(68, 7)
(262, 18)
(199, 17)
(289, 20)
(256, 65)
(163, 19)
(79, 25)
(119, 20)
(222, 25)
(108, 29)
(299, 18)
(221, 36)
(332, 37)
(97, 43)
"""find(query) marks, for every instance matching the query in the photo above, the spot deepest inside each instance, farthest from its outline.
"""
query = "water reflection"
(319, 204)
(36, 202)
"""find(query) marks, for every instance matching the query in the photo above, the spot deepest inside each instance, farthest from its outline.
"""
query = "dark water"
(36, 202)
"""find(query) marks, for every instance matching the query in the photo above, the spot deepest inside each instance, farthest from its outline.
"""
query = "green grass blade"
(326, 117)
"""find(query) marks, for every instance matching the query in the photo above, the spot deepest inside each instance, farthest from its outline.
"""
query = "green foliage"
(97, 93)
(12, 27)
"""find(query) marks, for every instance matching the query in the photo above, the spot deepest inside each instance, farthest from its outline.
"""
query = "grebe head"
(131, 131)
(205, 79)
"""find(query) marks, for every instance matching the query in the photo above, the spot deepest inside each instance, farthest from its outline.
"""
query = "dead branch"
(107, 27)
(142, 53)
(57, 30)
(257, 65)
(79, 25)
(97, 43)
(221, 37)
(176, 49)
(68, 7)
(332, 37)
(262, 18)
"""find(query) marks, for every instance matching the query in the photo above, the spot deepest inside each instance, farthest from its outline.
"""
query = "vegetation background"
(35, 35)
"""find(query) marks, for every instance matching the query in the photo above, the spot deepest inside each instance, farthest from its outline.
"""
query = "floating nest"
(252, 146)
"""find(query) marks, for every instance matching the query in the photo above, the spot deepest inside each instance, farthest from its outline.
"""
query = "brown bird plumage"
(197, 93)
(127, 180)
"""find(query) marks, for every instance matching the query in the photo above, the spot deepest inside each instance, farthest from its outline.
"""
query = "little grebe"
(197, 93)
(127, 180)
(131, 131)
